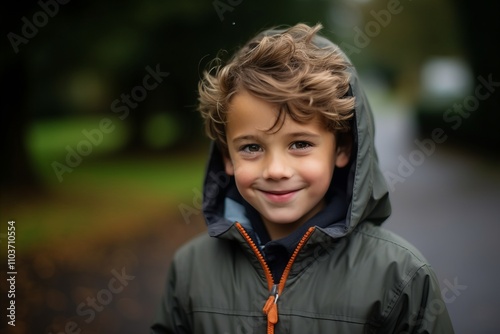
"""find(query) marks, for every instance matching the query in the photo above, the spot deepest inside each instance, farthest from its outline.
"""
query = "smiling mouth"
(280, 196)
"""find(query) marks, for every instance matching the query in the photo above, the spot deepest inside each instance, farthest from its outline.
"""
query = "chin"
(282, 220)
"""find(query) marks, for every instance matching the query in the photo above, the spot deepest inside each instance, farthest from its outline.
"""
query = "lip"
(280, 196)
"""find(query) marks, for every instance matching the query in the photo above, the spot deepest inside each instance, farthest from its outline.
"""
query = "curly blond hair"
(284, 68)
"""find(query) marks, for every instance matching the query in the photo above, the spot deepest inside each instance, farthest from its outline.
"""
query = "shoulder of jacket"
(200, 250)
(376, 238)
(202, 242)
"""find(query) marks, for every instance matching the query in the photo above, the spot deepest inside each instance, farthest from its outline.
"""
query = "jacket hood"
(361, 182)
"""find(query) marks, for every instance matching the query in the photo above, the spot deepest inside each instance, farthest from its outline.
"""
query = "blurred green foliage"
(101, 194)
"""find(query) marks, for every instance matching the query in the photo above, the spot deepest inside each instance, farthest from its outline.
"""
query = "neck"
(281, 230)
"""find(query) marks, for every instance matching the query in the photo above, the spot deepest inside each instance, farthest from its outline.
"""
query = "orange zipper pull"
(272, 316)
(267, 306)
(271, 308)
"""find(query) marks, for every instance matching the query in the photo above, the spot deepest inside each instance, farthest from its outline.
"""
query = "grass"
(102, 196)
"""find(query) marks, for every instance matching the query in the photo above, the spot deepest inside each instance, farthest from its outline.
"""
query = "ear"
(228, 164)
(343, 154)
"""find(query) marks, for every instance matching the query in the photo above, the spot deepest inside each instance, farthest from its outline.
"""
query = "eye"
(300, 145)
(251, 148)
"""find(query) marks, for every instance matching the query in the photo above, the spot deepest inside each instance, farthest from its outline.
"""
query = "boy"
(293, 200)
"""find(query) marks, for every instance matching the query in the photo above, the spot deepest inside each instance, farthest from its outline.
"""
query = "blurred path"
(108, 285)
(449, 208)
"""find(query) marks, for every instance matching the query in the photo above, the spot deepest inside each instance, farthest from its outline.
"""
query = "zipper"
(270, 308)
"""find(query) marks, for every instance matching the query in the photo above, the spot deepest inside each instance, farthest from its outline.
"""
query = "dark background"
(98, 184)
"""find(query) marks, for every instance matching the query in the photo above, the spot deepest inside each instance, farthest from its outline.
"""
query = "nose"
(277, 167)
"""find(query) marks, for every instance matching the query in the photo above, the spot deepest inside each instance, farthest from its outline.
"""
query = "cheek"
(244, 175)
(317, 172)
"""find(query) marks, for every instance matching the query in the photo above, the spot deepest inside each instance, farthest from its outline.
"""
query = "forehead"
(247, 113)
(246, 109)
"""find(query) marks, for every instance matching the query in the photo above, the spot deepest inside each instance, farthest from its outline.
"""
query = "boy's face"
(283, 175)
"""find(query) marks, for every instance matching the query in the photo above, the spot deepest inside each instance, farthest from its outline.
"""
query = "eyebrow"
(305, 134)
(302, 134)
(244, 138)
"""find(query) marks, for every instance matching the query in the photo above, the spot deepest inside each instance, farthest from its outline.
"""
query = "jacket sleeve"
(420, 307)
(171, 316)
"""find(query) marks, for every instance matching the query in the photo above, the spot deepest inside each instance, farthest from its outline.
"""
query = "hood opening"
(361, 182)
